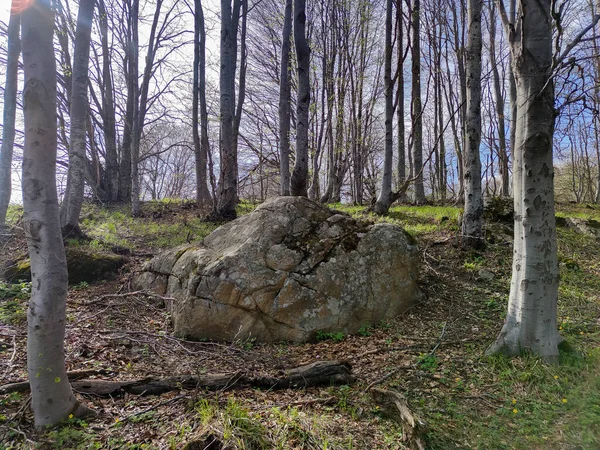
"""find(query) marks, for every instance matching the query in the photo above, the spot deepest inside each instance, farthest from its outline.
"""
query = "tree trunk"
(228, 182)
(416, 107)
(10, 109)
(400, 100)
(52, 397)
(73, 200)
(502, 152)
(284, 102)
(531, 319)
(108, 111)
(203, 198)
(473, 215)
(299, 181)
(385, 195)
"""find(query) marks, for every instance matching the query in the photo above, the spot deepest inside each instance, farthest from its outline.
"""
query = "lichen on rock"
(284, 272)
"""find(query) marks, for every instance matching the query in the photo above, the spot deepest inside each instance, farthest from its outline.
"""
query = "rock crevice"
(286, 271)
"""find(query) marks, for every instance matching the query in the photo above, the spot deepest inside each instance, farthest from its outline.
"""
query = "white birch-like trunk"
(73, 201)
(52, 399)
(531, 320)
(472, 235)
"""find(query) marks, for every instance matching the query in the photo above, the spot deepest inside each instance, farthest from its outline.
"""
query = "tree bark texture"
(203, 198)
(299, 181)
(531, 319)
(499, 97)
(73, 200)
(228, 182)
(385, 200)
(417, 107)
(284, 102)
(52, 398)
(321, 373)
(10, 109)
(473, 214)
(111, 181)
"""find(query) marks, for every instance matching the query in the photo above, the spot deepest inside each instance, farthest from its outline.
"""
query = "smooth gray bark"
(228, 182)
(299, 181)
(73, 200)
(502, 148)
(52, 398)
(284, 102)
(531, 319)
(201, 143)
(10, 109)
(384, 201)
(472, 234)
(400, 100)
(416, 106)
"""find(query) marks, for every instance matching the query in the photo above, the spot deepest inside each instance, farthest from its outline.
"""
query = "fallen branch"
(23, 386)
(394, 406)
(322, 373)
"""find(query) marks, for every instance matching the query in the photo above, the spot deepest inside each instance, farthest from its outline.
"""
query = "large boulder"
(83, 266)
(287, 271)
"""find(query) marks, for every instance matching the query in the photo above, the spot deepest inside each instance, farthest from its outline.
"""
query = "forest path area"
(432, 354)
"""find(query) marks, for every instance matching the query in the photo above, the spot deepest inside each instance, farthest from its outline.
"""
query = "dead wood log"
(322, 373)
(394, 406)
(23, 386)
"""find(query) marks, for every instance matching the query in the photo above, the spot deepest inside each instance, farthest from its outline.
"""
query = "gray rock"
(486, 275)
(284, 272)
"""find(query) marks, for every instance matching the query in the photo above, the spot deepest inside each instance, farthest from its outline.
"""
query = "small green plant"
(428, 362)
(13, 312)
(337, 336)
(20, 290)
(364, 331)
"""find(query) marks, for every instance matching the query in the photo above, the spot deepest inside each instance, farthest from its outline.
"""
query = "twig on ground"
(439, 341)
(386, 377)
(12, 357)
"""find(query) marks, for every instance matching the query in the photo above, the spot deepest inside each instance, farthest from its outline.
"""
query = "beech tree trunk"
(299, 181)
(228, 182)
(385, 195)
(400, 99)
(203, 197)
(10, 109)
(473, 215)
(73, 200)
(111, 182)
(502, 150)
(52, 398)
(284, 102)
(531, 319)
(416, 107)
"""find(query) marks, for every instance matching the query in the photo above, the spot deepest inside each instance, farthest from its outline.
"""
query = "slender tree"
(284, 101)
(10, 109)
(73, 200)
(499, 97)
(384, 201)
(52, 398)
(299, 181)
(201, 144)
(416, 105)
(227, 195)
(473, 214)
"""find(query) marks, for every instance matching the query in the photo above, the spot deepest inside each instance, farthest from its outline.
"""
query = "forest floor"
(432, 354)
